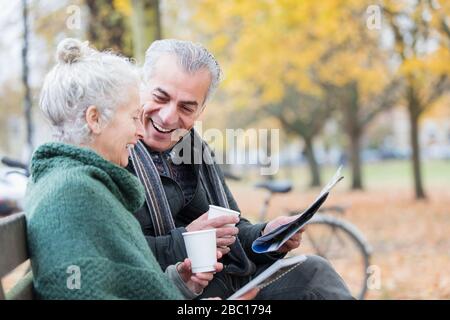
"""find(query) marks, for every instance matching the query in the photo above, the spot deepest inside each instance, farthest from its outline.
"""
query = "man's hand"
(294, 241)
(226, 236)
(198, 281)
(249, 295)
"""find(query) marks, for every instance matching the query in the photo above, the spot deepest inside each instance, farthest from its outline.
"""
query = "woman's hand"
(198, 281)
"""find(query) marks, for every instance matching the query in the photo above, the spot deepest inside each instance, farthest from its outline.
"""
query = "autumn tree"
(107, 27)
(145, 25)
(263, 78)
(303, 115)
(275, 52)
(127, 26)
(422, 45)
(356, 112)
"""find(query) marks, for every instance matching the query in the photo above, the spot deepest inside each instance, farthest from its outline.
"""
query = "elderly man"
(179, 77)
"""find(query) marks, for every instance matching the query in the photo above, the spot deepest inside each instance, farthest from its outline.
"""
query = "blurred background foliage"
(326, 73)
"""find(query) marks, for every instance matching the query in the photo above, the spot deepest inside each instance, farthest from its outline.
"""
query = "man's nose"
(168, 114)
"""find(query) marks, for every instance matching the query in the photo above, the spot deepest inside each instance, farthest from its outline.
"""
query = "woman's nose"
(168, 114)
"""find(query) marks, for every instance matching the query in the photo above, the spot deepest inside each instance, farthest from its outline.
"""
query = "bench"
(14, 252)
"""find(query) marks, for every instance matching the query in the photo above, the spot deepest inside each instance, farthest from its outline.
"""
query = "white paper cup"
(201, 249)
(215, 211)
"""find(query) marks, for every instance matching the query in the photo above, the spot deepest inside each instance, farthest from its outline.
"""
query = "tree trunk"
(354, 131)
(107, 27)
(25, 81)
(158, 24)
(355, 158)
(414, 113)
(312, 161)
(145, 26)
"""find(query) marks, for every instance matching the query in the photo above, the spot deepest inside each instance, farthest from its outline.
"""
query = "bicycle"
(334, 239)
(13, 182)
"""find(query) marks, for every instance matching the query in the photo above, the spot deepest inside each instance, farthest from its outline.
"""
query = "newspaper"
(273, 240)
(277, 270)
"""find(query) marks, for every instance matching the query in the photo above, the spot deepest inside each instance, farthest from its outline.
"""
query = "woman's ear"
(93, 119)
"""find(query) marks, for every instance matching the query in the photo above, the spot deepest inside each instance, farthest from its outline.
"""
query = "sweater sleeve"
(174, 276)
(168, 249)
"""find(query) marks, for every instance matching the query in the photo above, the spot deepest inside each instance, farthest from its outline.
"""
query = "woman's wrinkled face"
(121, 132)
(172, 101)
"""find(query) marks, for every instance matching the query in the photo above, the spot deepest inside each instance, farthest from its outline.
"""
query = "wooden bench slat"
(23, 290)
(2, 295)
(13, 243)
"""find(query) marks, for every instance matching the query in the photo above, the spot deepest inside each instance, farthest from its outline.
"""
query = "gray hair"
(81, 78)
(191, 56)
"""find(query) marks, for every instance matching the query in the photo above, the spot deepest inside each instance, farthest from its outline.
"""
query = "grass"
(395, 173)
(399, 173)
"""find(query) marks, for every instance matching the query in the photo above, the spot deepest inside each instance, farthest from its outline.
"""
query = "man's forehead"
(190, 89)
(170, 91)
(166, 89)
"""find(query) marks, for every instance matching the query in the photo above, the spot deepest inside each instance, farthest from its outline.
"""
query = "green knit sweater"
(83, 240)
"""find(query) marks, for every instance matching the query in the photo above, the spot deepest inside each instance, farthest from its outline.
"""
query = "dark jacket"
(169, 249)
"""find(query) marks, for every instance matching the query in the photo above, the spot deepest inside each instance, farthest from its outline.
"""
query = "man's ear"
(142, 115)
(203, 107)
(93, 119)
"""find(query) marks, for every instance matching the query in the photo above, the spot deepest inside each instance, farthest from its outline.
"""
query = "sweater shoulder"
(79, 179)
(71, 190)
(79, 175)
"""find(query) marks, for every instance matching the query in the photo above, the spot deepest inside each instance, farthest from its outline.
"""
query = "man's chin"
(178, 134)
(158, 145)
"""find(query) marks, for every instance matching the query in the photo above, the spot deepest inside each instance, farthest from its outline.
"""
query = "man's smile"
(159, 128)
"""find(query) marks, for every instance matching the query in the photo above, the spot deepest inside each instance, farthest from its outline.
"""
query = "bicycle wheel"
(343, 246)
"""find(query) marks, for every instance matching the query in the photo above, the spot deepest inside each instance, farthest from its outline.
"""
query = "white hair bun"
(71, 50)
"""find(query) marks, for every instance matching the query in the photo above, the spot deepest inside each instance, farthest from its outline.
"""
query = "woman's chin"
(125, 160)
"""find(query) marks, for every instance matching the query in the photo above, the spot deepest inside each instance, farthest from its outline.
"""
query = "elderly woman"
(84, 241)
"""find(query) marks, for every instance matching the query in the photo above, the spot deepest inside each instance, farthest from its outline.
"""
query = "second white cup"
(215, 211)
